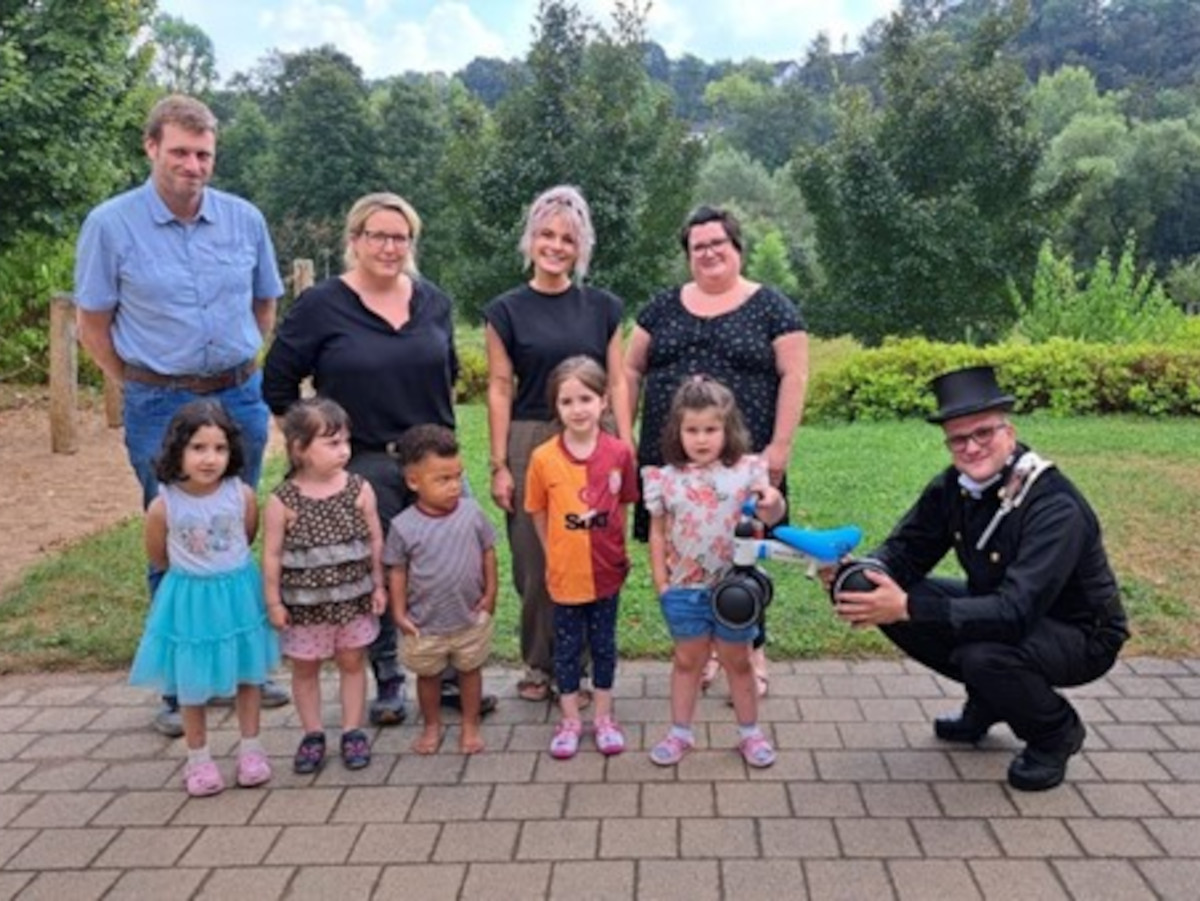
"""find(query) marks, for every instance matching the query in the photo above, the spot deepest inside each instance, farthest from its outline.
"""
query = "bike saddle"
(824, 545)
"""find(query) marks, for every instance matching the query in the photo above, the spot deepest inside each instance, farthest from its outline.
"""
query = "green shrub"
(471, 386)
(31, 270)
(1062, 376)
(1107, 305)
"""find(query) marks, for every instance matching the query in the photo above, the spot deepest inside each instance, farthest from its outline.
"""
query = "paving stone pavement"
(863, 803)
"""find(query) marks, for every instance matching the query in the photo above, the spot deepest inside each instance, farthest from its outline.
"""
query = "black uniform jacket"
(1046, 559)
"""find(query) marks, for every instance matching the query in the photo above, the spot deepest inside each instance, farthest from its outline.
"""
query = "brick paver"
(863, 801)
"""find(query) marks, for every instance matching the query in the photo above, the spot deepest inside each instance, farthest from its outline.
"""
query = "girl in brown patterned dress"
(323, 574)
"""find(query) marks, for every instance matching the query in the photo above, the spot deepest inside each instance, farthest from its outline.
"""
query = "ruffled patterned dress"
(207, 630)
(326, 576)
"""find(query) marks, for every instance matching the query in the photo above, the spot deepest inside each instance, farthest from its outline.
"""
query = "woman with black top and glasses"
(379, 340)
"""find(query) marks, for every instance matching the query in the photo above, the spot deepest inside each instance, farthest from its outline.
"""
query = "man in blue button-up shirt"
(176, 285)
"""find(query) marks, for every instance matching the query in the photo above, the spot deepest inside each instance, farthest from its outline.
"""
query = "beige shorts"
(465, 650)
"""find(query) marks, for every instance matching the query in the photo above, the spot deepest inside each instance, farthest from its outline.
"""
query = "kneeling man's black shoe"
(1037, 769)
(969, 726)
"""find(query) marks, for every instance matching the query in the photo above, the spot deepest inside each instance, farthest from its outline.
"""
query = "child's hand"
(278, 615)
(407, 626)
(770, 505)
(379, 600)
(484, 609)
(768, 495)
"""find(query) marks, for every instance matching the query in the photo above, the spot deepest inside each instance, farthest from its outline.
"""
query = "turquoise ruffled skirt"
(205, 635)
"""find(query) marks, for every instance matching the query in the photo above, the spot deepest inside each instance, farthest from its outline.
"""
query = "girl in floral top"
(694, 503)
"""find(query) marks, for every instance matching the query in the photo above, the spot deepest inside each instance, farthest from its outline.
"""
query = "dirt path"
(49, 500)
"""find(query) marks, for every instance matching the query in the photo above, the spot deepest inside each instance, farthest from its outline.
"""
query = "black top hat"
(966, 391)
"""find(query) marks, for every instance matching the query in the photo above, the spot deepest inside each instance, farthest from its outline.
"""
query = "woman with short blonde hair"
(530, 330)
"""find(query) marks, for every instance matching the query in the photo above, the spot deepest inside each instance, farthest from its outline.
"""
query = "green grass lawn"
(83, 608)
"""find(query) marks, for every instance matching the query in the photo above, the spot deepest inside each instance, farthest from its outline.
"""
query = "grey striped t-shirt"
(444, 557)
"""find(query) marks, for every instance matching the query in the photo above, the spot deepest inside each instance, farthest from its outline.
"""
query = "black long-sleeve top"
(387, 379)
(1046, 559)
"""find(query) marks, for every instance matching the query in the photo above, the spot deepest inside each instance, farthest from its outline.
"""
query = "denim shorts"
(689, 614)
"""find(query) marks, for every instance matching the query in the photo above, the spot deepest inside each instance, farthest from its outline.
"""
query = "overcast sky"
(386, 37)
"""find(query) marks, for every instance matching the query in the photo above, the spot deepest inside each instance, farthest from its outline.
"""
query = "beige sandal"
(530, 689)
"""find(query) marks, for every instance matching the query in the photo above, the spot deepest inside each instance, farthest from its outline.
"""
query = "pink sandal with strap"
(757, 751)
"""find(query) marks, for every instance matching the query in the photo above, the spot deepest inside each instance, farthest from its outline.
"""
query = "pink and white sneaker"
(609, 737)
(565, 743)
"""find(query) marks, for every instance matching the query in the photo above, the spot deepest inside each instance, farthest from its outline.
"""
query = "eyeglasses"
(982, 437)
(715, 244)
(380, 240)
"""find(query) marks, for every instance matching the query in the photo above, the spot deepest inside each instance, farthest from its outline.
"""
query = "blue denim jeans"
(147, 412)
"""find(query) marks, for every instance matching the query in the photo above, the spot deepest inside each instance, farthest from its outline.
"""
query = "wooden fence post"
(114, 399)
(302, 276)
(64, 376)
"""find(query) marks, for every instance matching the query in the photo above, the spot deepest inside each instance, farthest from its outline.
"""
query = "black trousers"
(1014, 683)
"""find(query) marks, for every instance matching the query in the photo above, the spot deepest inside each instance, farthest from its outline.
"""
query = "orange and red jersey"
(584, 502)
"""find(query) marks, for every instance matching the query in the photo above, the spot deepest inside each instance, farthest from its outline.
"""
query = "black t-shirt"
(387, 379)
(539, 331)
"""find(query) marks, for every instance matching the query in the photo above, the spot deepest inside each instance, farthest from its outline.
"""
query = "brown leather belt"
(196, 384)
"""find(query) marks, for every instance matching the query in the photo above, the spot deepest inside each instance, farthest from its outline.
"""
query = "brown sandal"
(533, 690)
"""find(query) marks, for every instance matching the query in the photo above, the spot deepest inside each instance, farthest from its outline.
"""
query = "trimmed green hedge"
(1063, 376)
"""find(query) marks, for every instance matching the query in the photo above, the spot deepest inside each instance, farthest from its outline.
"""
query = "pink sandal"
(670, 750)
(203, 779)
(565, 743)
(609, 737)
(253, 769)
(757, 751)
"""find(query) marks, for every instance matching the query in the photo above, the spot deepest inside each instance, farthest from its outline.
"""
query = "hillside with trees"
(914, 184)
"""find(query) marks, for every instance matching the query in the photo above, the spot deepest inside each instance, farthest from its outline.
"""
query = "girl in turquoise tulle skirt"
(207, 633)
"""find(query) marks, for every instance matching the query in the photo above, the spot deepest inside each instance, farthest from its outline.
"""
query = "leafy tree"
(689, 78)
(413, 135)
(1140, 177)
(656, 62)
(184, 58)
(328, 152)
(1183, 284)
(765, 203)
(769, 264)
(1108, 305)
(273, 78)
(1058, 98)
(490, 79)
(765, 120)
(469, 226)
(244, 152)
(926, 206)
(591, 117)
(72, 100)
